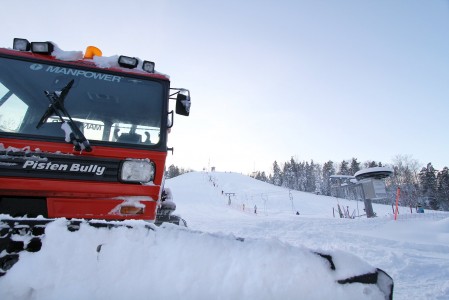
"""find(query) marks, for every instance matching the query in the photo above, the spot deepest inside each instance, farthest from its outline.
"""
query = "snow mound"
(171, 263)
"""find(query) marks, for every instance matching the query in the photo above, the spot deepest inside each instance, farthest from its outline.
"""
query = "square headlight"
(137, 171)
(148, 66)
(127, 62)
(21, 44)
(42, 47)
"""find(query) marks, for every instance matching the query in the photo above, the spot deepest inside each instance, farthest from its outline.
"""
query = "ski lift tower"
(373, 186)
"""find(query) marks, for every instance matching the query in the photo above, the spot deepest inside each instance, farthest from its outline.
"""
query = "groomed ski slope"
(206, 261)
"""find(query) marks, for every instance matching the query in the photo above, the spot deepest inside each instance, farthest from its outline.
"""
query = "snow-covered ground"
(414, 250)
(206, 261)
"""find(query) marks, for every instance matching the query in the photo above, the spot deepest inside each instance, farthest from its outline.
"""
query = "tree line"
(419, 185)
(173, 171)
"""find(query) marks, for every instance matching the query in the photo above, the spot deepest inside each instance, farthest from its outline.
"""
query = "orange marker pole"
(398, 193)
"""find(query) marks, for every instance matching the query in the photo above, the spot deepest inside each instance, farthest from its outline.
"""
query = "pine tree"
(355, 166)
(443, 188)
(288, 175)
(428, 184)
(344, 168)
(328, 171)
(302, 176)
(296, 174)
(277, 176)
(263, 177)
(173, 171)
(260, 176)
(318, 170)
(310, 177)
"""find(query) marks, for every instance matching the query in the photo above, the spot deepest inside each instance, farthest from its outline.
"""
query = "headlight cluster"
(132, 62)
(137, 171)
(35, 47)
(47, 48)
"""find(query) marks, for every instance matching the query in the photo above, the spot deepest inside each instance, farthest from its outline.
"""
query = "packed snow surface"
(209, 260)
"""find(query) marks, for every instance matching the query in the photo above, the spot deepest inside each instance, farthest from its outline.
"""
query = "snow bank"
(173, 263)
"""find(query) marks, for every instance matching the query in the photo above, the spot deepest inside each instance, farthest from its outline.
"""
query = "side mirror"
(183, 103)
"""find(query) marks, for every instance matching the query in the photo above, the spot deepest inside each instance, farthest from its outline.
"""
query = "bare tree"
(406, 170)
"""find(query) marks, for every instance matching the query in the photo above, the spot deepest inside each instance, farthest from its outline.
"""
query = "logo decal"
(79, 168)
(86, 74)
(36, 67)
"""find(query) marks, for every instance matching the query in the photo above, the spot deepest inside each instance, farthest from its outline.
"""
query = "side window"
(134, 134)
(12, 110)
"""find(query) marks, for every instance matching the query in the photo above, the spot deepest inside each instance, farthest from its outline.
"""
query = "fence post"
(398, 193)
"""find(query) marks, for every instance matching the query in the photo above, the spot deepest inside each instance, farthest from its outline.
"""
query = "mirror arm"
(178, 90)
(174, 94)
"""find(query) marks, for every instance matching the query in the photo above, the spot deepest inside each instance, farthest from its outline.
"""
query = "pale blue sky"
(322, 80)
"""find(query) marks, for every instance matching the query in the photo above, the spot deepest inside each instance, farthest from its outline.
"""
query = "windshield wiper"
(56, 106)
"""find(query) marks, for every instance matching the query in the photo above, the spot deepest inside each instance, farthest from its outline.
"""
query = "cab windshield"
(106, 107)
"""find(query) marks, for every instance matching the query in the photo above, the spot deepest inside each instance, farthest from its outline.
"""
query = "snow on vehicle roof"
(99, 61)
(60, 54)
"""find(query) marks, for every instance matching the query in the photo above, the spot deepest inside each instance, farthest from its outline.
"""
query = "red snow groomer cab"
(83, 136)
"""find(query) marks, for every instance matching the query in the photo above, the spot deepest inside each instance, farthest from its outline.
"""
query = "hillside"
(414, 250)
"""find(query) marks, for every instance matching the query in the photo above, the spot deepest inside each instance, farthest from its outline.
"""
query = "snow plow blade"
(380, 278)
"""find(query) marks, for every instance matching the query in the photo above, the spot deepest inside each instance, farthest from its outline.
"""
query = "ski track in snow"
(206, 261)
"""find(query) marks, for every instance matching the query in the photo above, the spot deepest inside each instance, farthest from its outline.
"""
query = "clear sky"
(322, 79)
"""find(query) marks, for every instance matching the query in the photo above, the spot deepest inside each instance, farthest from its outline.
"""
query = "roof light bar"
(21, 44)
(42, 47)
(148, 66)
(91, 51)
(127, 62)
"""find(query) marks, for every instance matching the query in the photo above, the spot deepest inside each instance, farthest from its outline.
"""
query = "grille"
(21, 206)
